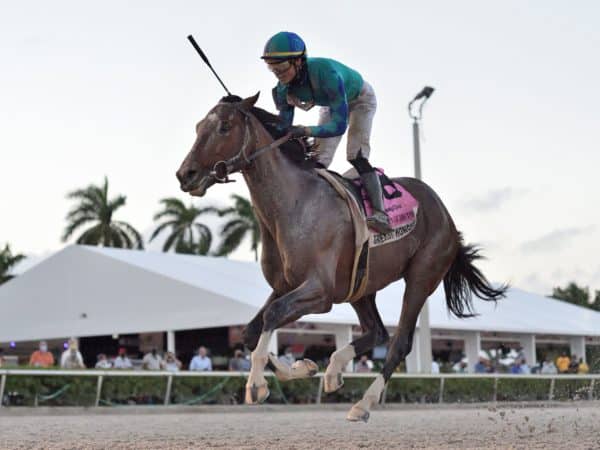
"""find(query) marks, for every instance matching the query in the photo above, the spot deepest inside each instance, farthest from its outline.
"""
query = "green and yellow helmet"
(284, 45)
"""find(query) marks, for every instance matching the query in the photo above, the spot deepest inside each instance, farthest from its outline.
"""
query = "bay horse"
(308, 247)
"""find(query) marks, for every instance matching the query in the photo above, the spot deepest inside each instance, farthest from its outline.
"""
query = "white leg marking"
(333, 373)
(361, 410)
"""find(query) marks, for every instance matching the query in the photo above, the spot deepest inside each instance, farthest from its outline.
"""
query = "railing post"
(2, 385)
(551, 393)
(168, 393)
(441, 396)
(320, 391)
(99, 390)
(495, 395)
(591, 391)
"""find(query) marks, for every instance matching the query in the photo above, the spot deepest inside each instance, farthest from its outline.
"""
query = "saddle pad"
(400, 206)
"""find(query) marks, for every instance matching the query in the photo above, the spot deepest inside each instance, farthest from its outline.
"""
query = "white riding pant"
(360, 121)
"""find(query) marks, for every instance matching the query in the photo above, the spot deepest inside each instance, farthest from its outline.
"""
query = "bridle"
(240, 162)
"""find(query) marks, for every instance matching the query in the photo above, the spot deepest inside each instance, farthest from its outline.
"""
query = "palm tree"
(7, 261)
(243, 222)
(188, 235)
(93, 206)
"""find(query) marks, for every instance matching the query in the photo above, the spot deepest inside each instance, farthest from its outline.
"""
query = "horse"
(308, 248)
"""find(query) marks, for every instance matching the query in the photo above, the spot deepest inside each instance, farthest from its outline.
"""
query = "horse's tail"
(464, 279)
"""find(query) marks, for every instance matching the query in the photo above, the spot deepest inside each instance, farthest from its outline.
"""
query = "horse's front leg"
(308, 298)
(252, 331)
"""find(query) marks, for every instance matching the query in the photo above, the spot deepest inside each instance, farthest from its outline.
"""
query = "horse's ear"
(249, 102)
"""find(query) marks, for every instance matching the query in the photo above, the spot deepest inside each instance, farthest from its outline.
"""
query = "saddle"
(400, 206)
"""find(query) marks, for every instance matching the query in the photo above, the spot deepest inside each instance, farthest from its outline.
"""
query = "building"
(142, 299)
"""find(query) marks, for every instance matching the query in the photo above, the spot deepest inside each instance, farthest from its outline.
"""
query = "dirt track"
(574, 426)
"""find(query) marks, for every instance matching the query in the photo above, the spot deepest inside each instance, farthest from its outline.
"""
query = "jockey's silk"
(325, 82)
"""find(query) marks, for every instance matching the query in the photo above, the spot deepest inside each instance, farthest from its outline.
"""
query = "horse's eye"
(225, 127)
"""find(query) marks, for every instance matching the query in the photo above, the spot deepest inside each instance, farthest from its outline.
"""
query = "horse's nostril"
(190, 175)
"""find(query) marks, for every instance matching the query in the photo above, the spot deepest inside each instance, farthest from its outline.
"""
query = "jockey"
(347, 102)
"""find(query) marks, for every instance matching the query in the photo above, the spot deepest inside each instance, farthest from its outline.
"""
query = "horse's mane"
(292, 149)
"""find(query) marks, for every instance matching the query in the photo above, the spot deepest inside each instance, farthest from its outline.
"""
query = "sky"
(510, 136)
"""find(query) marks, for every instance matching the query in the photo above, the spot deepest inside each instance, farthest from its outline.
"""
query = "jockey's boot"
(379, 220)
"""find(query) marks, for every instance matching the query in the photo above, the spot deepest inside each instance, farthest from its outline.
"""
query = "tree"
(186, 234)
(94, 207)
(574, 294)
(7, 261)
(596, 303)
(243, 222)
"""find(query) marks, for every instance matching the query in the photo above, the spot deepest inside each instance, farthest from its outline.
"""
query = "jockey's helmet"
(284, 45)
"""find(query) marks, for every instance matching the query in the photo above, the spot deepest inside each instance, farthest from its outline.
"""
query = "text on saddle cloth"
(400, 206)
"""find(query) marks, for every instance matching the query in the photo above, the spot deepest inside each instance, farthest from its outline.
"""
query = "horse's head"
(220, 136)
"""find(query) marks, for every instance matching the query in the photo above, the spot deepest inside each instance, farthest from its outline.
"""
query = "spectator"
(103, 362)
(515, 367)
(152, 361)
(41, 357)
(435, 366)
(122, 361)
(71, 357)
(364, 364)
(548, 367)
(238, 363)
(287, 357)
(2, 361)
(481, 366)
(573, 364)
(201, 362)
(583, 368)
(524, 367)
(460, 367)
(172, 364)
(562, 363)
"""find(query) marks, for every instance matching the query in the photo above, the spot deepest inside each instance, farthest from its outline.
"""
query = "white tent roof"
(88, 291)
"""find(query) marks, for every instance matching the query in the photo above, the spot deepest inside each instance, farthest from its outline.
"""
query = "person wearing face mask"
(347, 102)
(42, 357)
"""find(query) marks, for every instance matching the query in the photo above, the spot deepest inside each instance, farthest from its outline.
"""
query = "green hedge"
(459, 390)
(413, 390)
(522, 389)
(572, 389)
(50, 391)
(124, 390)
(45, 390)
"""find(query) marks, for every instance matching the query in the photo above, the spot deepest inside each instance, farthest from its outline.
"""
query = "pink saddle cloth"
(400, 206)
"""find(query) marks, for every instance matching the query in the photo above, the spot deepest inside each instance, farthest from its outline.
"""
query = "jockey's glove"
(298, 132)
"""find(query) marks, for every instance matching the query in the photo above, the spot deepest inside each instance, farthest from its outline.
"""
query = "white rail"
(102, 374)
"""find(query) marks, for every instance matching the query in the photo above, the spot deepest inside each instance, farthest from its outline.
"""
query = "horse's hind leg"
(374, 334)
(423, 276)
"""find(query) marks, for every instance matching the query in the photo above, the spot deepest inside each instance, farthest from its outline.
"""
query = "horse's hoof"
(300, 369)
(332, 383)
(256, 395)
(304, 368)
(358, 414)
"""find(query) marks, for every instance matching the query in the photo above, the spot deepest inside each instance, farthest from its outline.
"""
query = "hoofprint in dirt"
(573, 426)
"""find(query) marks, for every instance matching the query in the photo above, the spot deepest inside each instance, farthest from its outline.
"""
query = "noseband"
(240, 162)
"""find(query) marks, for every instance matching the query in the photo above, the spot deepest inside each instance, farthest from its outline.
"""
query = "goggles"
(279, 67)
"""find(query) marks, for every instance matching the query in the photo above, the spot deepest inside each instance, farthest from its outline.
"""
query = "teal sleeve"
(286, 111)
(332, 86)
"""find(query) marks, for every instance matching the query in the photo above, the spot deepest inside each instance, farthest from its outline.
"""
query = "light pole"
(424, 334)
